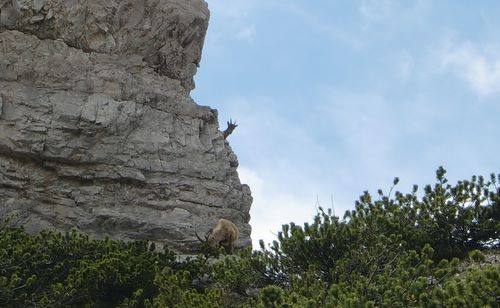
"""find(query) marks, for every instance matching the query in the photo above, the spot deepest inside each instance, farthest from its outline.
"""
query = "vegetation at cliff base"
(438, 247)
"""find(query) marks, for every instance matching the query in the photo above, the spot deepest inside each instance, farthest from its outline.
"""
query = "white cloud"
(287, 168)
(362, 121)
(235, 9)
(264, 126)
(479, 66)
(377, 10)
(316, 23)
(273, 207)
(279, 160)
(394, 12)
(250, 177)
(246, 33)
(237, 16)
(370, 131)
(288, 165)
(240, 16)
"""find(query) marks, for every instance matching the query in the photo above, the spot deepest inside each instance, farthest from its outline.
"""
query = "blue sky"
(336, 97)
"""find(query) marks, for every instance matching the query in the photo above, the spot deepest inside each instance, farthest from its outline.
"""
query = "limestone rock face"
(97, 128)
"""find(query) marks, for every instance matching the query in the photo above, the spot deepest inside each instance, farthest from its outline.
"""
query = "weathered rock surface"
(97, 128)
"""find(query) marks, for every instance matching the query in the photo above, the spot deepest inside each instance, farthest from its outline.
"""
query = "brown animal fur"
(224, 233)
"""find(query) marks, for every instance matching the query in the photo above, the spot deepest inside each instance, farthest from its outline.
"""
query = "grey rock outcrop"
(97, 128)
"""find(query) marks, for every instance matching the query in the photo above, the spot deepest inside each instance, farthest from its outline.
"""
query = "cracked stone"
(37, 18)
(97, 128)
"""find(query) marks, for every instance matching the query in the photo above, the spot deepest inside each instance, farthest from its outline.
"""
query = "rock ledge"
(97, 128)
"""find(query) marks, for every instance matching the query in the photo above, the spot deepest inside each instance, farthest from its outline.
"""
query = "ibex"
(224, 233)
(230, 127)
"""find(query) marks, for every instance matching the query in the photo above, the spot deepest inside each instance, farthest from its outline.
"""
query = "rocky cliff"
(97, 128)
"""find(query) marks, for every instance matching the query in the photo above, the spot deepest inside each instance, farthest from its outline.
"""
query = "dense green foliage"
(404, 250)
(56, 270)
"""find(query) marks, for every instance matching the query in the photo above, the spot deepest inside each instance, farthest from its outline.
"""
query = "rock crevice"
(97, 128)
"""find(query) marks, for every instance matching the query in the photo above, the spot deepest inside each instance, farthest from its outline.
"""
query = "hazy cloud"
(272, 207)
(238, 16)
(363, 121)
(392, 11)
(246, 33)
(233, 8)
(478, 65)
(279, 160)
(312, 20)
(377, 10)
(348, 134)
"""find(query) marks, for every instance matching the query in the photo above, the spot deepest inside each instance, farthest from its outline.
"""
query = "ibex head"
(230, 127)
(224, 233)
